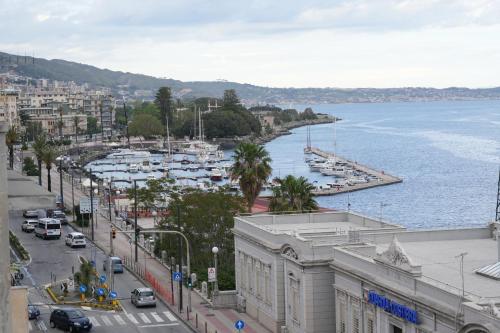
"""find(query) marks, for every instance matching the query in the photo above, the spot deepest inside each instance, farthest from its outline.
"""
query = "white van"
(48, 228)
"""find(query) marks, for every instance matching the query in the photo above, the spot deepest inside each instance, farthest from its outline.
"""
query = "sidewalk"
(206, 320)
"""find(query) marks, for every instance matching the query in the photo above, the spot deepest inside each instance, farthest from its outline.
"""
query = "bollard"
(205, 327)
(196, 320)
(187, 312)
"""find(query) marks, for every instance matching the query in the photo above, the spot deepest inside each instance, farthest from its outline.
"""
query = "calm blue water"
(448, 154)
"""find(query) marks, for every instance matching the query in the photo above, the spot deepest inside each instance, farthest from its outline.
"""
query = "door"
(396, 329)
(64, 320)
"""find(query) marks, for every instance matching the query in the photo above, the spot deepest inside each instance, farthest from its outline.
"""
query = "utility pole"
(126, 120)
(497, 215)
(4, 238)
(102, 124)
(179, 251)
(92, 203)
(73, 194)
(135, 220)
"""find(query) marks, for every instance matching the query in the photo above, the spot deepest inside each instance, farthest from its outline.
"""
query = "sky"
(275, 43)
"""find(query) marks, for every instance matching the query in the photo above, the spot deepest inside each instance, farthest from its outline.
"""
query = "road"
(53, 260)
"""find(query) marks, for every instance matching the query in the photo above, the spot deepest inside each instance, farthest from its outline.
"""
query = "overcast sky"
(290, 43)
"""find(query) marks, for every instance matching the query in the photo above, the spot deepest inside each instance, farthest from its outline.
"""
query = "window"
(294, 297)
(249, 274)
(342, 312)
(370, 325)
(243, 271)
(355, 320)
(396, 329)
(267, 284)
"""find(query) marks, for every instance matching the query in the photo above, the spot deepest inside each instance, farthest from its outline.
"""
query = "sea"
(446, 152)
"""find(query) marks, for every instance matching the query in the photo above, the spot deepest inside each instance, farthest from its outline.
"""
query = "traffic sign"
(85, 205)
(113, 294)
(83, 289)
(102, 278)
(239, 324)
(100, 292)
(177, 276)
(212, 274)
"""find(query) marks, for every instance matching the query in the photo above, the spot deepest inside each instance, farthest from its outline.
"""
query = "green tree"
(163, 101)
(76, 124)
(24, 118)
(39, 146)
(145, 125)
(49, 157)
(33, 130)
(252, 168)
(207, 220)
(29, 167)
(151, 196)
(230, 98)
(92, 127)
(292, 194)
(11, 138)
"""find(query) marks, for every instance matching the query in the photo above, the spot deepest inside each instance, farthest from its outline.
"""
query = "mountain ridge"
(64, 70)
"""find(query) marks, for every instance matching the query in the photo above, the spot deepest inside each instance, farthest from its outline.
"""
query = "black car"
(33, 312)
(30, 214)
(71, 320)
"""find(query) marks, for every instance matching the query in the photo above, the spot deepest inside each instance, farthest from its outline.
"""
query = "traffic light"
(190, 285)
(113, 232)
(137, 231)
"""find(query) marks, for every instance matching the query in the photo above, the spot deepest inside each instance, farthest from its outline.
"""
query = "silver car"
(143, 297)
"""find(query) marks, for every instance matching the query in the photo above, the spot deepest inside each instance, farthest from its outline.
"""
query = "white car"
(29, 225)
(75, 239)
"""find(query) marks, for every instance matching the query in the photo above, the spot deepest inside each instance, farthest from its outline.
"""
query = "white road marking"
(119, 319)
(106, 321)
(42, 326)
(169, 315)
(30, 327)
(144, 318)
(94, 321)
(158, 325)
(156, 317)
(132, 318)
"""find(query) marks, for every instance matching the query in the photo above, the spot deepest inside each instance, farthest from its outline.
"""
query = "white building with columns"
(343, 272)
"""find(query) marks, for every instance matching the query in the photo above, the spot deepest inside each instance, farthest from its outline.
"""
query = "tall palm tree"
(11, 138)
(163, 101)
(39, 146)
(49, 157)
(76, 123)
(252, 167)
(292, 194)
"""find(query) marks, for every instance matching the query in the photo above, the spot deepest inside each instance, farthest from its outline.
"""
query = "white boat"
(133, 168)
(317, 166)
(151, 177)
(216, 175)
(146, 166)
(357, 180)
(124, 154)
(334, 171)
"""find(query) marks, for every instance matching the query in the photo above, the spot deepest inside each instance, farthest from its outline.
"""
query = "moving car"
(33, 312)
(74, 239)
(116, 262)
(48, 228)
(30, 214)
(59, 215)
(71, 320)
(143, 297)
(29, 225)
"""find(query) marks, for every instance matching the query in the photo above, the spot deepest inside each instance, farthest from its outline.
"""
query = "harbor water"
(447, 153)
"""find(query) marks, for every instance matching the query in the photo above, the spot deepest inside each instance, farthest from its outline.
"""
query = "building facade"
(343, 272)
(8, 107)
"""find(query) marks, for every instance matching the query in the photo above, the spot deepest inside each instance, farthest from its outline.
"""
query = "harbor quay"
(377, 178)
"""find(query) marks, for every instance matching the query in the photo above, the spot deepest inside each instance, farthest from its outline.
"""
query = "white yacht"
(124, 154)
(216, 175)
(151, 177)
(133, 168)
(146, 166)
(334, 171)
(357, 180)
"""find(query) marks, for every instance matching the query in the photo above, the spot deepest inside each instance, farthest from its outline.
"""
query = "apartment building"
(347, 273)
(8, 106)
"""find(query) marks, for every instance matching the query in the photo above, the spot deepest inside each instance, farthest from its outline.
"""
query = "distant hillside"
(81, 73)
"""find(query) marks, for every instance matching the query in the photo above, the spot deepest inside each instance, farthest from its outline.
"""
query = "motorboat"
(357, 180)
(133, 168)
(146, 166)
(317, 166)
(151, 177)
(216, 175)
(125, 154)
(334, 171)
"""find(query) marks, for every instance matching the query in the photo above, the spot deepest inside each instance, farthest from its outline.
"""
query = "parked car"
(143, 297)
(71, 320)
(116, 263)
(33, 312)
(75, 239)
(59, 215)
(29, 225)
(30, 214)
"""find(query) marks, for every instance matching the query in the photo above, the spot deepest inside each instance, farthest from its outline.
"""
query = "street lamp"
(60, 159)
(109, 198)
(215, 250)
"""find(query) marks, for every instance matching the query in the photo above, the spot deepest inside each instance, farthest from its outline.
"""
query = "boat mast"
(334, 140)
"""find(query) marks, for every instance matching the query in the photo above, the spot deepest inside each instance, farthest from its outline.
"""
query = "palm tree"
(39, 146)
(11, 137)
(49, 157)
(292, 194)
(163, 101)
(252, 168)
(76, 123)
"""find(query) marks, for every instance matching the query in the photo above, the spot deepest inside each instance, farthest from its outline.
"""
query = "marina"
(362, 176)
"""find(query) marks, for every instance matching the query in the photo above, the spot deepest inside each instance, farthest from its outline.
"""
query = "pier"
(381, 178)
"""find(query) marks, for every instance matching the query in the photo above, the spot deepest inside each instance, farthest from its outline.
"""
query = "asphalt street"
(52, 260)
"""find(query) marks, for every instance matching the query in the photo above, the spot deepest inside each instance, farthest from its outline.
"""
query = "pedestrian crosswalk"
(141, 319)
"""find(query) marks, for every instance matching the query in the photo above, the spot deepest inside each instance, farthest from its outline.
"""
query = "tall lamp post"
(60, 159)
(215, 250)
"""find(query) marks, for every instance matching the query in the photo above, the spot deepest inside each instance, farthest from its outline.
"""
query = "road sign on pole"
(239, 324)
(177, 276)
(85, 205)
(212, 274)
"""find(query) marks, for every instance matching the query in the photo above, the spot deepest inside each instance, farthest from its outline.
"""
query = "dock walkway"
(382, 178)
